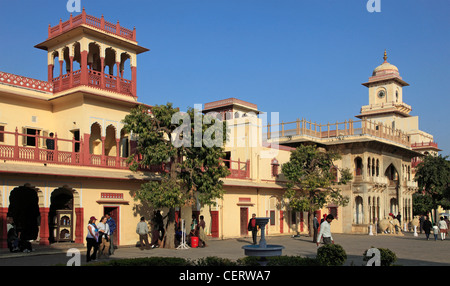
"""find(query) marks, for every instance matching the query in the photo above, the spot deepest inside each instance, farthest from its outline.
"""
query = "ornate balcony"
(94, 22)
(35, 148)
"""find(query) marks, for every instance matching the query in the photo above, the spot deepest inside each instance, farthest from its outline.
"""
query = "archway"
(24, 210)
(391, 173)
(359, 211)
(394, 206)
(110, 141)
(61, 215)
(95, 140)
(358, 166)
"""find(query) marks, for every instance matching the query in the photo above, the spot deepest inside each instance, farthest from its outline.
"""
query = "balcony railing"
(424, 145)
(238, 169)
(95, 79)
(98, 23)
(337, 130)
(33, 148)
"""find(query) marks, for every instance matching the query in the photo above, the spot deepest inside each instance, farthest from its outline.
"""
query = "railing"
(424, 145)
(337, 130)
(238, 169)
(98, 23)
(25, 82)
(66, 152)
(37, 153)
(13, 147)
(95, 79)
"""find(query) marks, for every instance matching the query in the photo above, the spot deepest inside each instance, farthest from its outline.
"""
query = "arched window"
(358, 166)
(358, 210)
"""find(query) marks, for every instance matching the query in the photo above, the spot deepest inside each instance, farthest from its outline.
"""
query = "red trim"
(43, 230)
(117, 220)
(97, 23)
(3, 227)
(79, 235)
(281, 221)
(215, 223)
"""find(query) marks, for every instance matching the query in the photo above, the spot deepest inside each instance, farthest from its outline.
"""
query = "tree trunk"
(169, 234)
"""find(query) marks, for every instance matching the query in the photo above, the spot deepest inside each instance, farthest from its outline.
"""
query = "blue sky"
(301, 58)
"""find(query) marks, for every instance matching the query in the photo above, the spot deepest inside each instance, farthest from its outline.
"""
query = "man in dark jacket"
(427, 227)
(253, 227)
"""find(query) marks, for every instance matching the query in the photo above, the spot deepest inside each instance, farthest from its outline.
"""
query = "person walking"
(316, 226)
(92, 240)
(426, 226)
(253, 228)
(435, 231)
(155, 238)
(443, 228)
(103, 237)
(142, 230)
(421, 220)
(325, 231)
(112, 227)
(201, 231)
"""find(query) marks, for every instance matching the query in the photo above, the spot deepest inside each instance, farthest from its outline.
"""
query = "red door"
(215, 223)
(281, 222)
(244, 221)
(114, 213)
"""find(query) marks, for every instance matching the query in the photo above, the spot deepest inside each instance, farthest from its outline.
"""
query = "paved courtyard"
(410, 250)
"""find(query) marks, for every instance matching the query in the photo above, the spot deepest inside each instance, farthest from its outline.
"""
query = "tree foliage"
(433, 179)
(311, 175)
(167, 137)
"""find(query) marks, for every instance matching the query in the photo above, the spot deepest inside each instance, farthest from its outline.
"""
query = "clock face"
(381, 94)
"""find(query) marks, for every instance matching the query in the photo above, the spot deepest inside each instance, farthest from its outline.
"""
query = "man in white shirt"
(142, 230)
(325, 231)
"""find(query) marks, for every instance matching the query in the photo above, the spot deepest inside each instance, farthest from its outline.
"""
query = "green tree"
(183, 142)
(312, 182)
(433, 179)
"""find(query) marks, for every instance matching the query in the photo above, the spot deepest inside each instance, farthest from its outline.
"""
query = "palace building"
(63, 148)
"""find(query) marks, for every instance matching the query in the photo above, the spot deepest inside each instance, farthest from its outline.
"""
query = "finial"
(385, 56)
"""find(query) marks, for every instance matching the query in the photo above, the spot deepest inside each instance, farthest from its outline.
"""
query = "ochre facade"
(63, 147)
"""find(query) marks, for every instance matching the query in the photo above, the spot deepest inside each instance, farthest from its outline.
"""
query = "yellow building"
(63, 147)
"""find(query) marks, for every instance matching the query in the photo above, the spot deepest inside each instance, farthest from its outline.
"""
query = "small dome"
(385, 68)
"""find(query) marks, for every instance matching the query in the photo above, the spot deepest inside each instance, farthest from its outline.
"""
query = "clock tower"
(386, 106)
(385, 94)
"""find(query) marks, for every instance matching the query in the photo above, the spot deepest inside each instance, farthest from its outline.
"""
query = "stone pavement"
(410, 250)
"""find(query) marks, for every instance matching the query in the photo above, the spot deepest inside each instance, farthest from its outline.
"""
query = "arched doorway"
(61, 216)
(394, 206)
(95, 140)
(24, 210)
(359, 211)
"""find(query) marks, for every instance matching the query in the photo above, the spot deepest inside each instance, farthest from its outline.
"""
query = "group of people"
(158, 231)
(324, 226)
(15, 241)
(439, 228)
(99, 238)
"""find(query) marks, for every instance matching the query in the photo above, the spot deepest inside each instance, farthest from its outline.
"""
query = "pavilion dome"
(385, 68)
